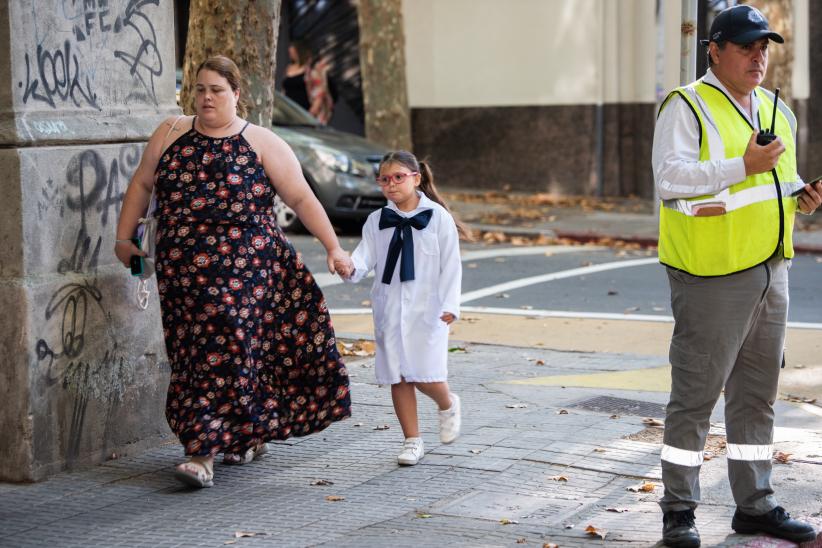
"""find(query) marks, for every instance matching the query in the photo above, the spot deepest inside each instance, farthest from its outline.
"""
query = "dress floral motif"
(251, 346)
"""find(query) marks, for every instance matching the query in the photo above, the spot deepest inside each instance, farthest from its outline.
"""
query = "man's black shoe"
(679, 529)
(777, 523)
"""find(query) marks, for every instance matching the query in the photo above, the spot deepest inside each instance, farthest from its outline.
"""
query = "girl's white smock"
(412, 340)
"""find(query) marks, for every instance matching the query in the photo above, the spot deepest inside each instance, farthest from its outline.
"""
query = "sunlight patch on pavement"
(655, 379)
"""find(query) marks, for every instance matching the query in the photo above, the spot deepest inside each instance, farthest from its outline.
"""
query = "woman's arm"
(284, 171)
(138, 194)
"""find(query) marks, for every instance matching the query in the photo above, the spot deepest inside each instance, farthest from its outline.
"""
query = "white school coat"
(412, 340)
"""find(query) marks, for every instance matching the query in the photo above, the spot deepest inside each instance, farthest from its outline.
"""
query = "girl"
(412, 245)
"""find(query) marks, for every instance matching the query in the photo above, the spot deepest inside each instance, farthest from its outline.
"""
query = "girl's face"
(215, 101)
(398, 183)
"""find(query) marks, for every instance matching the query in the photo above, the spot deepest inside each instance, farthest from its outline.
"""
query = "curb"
(594, 237)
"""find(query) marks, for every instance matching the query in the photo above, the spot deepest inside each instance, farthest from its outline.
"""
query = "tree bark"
(382, 64)
(245, 31)
(779, 14)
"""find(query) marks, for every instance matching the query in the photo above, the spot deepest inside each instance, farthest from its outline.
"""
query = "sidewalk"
(581, 219)
(539, 461)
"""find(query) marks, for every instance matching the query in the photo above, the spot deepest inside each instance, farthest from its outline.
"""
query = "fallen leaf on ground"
(382, 427)
(593, 531)
(471, 265)
(527, 307)
(617, 510)
(707, 455)
(244, 534)
(631, 309)
(475, 451)
(599, 450)
(614, 417)
(421, 515)
(334, 498)
(521, 541)
(550, 545)
(506, 521)
(562, 412)
(502, 296)
(358, 424)
(366, 302)
(781, 457)
(613, 292)
(516, 405)
(653, 422)
(559, 478)
(230, 542)
(457, 349)
(360, 348)
(322, 482)
(799, 399)
(644, 487)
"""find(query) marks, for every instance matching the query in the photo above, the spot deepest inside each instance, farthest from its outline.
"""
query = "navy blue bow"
(402, 240)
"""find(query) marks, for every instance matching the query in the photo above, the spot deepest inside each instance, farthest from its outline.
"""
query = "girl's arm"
(450, 286)
(365, 255)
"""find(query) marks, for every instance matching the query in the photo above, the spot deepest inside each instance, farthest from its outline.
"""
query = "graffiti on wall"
(61, 72)
(78, 349)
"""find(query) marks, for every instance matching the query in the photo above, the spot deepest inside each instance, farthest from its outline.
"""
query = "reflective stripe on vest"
(747, 233)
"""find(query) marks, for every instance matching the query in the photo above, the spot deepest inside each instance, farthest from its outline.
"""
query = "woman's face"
(215, 101)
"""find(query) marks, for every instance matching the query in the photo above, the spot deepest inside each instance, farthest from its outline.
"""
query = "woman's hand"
(124, 249)
(340, 263)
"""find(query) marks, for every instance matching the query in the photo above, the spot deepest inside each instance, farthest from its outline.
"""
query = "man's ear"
(713, 50)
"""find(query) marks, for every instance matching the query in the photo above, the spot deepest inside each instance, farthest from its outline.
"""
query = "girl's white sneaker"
(450, 421)
(412, 452)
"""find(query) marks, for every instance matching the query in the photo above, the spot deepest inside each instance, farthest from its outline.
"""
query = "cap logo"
(755, 17)
(717, 36)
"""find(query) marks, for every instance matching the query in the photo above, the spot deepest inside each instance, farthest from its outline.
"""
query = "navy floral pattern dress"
(251, 346)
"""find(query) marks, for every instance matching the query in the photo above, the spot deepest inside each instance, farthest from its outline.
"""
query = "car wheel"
(286, 217)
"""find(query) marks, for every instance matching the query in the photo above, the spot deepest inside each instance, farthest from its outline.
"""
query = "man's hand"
(447, 317)
(811, 199)
(759, 159)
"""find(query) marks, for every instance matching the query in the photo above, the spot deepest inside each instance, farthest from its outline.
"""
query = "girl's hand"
(447, 317)
(124, 249)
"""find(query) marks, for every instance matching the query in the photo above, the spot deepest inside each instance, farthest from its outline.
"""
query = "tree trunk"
(779, 14)
(246, 32)
(382, 64)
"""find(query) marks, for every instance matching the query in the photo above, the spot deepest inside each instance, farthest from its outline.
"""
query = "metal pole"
(687, 61)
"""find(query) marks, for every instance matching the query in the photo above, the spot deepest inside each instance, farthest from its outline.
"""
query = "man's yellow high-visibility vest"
(745, 224)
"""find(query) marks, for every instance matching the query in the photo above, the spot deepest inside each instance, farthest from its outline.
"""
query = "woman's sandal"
(247, 457)
(195, 474)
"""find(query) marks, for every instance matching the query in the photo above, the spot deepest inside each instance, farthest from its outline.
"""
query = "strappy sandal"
(247, 457)
(195, 474)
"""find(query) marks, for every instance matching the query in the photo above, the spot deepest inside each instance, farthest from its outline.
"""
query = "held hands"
(340, 263)
(811, 199)
(759, 159)
(124, 249)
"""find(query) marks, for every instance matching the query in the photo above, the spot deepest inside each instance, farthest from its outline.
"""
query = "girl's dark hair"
(410, 161)
(226, 68)
(304, 54)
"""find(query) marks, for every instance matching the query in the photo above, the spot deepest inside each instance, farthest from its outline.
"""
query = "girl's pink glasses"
(396, 178)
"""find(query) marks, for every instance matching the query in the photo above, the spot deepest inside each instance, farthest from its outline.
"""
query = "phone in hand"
(799, 191)
(136, 262)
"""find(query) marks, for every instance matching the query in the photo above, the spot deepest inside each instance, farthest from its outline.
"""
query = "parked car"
(339, 167)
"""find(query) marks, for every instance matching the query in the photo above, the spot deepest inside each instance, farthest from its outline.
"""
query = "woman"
(251, 347)
(306, 82)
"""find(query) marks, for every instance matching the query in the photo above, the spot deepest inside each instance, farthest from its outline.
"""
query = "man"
(726, 240)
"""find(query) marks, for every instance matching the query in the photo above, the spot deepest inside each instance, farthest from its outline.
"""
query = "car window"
(289, 113)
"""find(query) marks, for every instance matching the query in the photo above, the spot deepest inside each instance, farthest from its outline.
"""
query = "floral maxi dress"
(250, 343)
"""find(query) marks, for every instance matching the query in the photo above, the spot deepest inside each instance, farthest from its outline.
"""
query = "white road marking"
(325, 279)
(551, 276)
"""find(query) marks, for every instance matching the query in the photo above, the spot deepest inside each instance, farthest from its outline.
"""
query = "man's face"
(741, 66)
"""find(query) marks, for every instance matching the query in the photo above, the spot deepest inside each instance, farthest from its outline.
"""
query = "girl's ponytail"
(428, 188)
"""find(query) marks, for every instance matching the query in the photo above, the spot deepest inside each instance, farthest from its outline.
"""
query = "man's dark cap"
(740, 24)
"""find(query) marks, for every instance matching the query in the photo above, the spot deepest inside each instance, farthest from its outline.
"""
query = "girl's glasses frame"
(396, 178)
